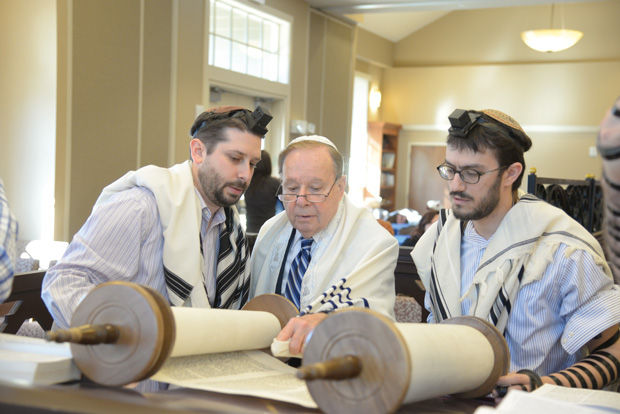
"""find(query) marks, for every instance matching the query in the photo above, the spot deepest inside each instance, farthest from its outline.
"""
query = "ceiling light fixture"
(551, 40)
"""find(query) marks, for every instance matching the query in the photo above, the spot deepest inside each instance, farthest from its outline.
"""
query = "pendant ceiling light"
(551, 40)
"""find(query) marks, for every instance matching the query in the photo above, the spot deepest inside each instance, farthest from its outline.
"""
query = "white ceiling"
(396, 19)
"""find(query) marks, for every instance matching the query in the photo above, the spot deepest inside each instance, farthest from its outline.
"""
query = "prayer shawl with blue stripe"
(518, 253)
(353, 261)
(180, 213)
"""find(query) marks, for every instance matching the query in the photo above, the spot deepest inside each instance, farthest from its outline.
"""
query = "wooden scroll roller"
(358, 361)
(122, 332)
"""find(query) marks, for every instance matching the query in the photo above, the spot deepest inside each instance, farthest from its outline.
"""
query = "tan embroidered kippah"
(501, 117)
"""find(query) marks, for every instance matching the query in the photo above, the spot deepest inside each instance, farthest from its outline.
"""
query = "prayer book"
(35, 361)
(554, 399)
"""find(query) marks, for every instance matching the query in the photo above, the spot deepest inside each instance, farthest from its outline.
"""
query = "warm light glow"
(551, 40)
(374, 99)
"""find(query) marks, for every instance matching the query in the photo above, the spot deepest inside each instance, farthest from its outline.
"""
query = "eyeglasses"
(312, 197)
(468, 175)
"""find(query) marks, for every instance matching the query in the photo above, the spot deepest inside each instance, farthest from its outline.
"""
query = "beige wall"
(27, 112)
(475, 59)
(188, 62)
(131, 74)
(558, 104)
(114, 101)
(374, 49)
(492, 35)
(330, 78)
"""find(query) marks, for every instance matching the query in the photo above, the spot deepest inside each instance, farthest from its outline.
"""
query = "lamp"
(551, 40)
(374, 98)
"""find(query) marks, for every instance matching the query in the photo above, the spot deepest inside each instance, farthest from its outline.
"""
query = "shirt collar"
(471, 236)
(220, 215)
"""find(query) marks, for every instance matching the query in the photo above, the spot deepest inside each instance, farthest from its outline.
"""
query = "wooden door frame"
(444, 200)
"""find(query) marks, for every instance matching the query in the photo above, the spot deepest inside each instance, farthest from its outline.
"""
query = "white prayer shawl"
(518, 253)
(352, 265)
(181, 215)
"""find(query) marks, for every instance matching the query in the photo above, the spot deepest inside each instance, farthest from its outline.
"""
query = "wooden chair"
(406, 279)
(25, 302)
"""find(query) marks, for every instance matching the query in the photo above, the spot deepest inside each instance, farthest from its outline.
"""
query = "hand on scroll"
(298, 328)
(516, 381)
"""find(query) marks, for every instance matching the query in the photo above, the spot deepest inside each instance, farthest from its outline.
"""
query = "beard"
(484, 207)
(213, 186)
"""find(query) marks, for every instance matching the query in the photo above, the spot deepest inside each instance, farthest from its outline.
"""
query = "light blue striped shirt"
(8, 239)
(552, 319)
(121, 240)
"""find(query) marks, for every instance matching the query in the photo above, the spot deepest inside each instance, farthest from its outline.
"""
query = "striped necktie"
(298, 268)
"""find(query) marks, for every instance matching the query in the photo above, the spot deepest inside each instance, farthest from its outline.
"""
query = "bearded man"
(173, 229)
(519, 263)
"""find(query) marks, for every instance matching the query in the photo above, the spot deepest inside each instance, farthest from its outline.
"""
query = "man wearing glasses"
(519, 263)
(323, 253)
(173, 229)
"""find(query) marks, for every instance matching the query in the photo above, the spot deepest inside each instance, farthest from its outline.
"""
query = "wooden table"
(93, 399)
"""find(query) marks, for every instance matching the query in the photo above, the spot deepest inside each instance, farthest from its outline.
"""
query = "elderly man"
(174, 229)
(518, 262)
(323, 253)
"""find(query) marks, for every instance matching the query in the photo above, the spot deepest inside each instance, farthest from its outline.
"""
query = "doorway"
(424, 182)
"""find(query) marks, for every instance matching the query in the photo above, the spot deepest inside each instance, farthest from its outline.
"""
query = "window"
(245, 40)
(359, 146)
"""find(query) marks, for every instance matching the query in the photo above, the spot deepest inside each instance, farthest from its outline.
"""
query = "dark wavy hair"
(208, 126)
(507, 143)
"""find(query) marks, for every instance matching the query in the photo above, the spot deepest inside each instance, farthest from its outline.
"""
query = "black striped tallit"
(503, 300)
(231, 282)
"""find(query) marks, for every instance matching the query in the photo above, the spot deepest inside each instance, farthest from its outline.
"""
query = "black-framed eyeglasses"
(312, 197)
(468, 175)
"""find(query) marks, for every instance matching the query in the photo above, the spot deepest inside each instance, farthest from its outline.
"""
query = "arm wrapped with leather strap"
(535, 380)
(595, 371)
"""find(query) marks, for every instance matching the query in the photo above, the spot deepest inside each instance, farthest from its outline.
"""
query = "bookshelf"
(384, 135)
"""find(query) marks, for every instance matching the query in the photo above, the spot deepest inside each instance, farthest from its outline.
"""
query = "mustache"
(243, 185)
(460, 194)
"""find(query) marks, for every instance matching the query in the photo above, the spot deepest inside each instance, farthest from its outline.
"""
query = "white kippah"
(315, 138)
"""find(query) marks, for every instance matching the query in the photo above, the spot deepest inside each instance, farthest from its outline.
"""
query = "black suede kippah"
(256, 121)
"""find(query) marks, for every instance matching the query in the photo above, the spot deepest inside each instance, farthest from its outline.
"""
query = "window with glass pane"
(255, 62)
(239, 57)
(240, 26)
(222, 19)
(247, 40)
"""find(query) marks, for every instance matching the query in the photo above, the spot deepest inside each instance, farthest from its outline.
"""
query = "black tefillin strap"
(257, 121)
(462, 121)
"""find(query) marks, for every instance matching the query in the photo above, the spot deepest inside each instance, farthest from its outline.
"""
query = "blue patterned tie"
(298, 268)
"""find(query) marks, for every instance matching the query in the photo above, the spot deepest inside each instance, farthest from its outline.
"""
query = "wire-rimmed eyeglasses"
(468, 175)
(312, 197)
